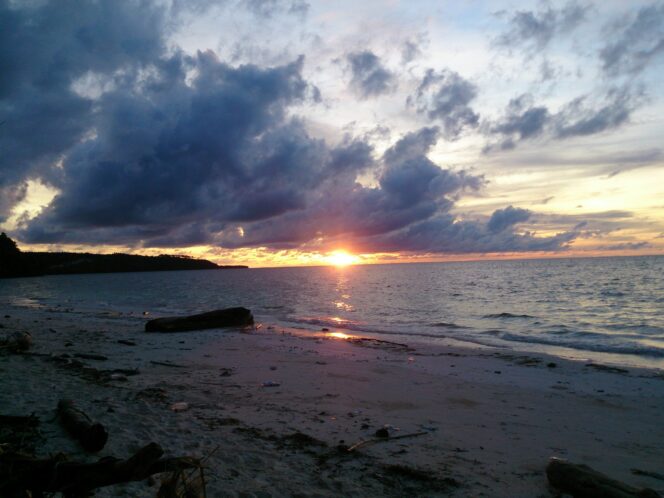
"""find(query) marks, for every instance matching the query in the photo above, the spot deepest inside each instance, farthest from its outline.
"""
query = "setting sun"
(341, 258)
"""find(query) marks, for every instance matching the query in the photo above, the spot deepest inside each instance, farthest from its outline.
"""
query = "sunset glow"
(341, 258)
(339, 335)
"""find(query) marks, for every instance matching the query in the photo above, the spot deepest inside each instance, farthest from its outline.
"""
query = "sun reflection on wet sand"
(339, 335)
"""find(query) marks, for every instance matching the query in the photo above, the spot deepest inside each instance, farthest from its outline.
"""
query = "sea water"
(591, 308)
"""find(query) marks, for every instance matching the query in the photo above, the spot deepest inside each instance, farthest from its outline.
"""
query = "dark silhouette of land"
(16, 263)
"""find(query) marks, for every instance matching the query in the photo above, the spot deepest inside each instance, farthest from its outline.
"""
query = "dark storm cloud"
(180, 153)
(411, 188)
(502, 219)
(409, 210)
(445, 96)
(535, 30)
(43, 50)
(9, 196)
(635, 41)
(369, 77)
(582, 116)
(149, 146)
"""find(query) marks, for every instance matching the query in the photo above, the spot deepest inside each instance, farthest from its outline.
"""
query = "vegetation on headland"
(16, 263)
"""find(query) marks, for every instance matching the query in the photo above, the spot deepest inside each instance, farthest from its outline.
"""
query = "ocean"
(602, 309)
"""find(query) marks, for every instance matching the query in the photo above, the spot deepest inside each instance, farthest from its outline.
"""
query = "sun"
(341, 258)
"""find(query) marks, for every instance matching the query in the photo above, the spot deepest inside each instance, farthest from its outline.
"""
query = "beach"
(273, 411)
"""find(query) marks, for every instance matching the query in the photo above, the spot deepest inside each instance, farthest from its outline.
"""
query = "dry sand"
(492, 418)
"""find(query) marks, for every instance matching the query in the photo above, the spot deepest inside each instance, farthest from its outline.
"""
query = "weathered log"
(230, 317)
(20, 473)
(91, 436)
(581, 481)
(17, 342)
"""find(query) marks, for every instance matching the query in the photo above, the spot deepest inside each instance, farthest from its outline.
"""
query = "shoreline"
(491, 418)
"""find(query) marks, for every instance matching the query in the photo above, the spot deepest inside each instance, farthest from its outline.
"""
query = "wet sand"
(273, 411)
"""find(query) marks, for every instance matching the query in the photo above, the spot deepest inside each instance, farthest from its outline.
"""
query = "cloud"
(445, 234)
(636, 41)
(44, 50)
(444, 96)
(150, 146)
(535, 30)
(270, 8)
(581, 116)
(589, 225)
(409, 210)
(369, 78)
(9, 197)
(410, 51)
(625, 246)
(522, 121)
(502, 219)
(633, 160)
(174, 153)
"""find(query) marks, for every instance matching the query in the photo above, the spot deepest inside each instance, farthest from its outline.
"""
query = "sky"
(280, 132)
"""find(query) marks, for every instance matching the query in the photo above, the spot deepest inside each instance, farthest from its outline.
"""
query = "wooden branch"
(367, 442)
(91, 436)
(583, 482)
(20, 473)
(167, 364)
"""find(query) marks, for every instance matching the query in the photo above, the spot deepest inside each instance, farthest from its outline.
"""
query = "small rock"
(551, 364)
(180, 406)
(325, 329)
(382, 433)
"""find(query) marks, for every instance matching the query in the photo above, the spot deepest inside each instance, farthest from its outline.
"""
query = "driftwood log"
(19, 473)
(581, 481)
(91, 436)
(17, 342)
(230, 317)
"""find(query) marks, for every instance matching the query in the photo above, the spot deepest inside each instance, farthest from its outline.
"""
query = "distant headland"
(16, 263)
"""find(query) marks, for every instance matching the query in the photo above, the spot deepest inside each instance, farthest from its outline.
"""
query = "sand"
(270, 408)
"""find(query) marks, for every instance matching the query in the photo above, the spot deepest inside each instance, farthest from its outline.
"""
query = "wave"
(448, 325)
(362, 328)
(563, 330)
(612, 293)
(631, 348)
(507, 315)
